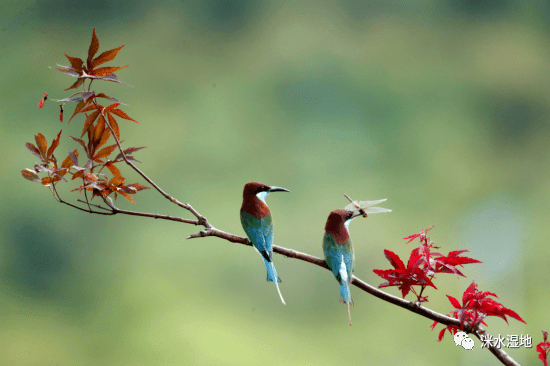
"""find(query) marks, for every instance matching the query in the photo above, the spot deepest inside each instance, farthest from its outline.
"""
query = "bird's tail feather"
(272, 275)
(345, 295)
(271, 271)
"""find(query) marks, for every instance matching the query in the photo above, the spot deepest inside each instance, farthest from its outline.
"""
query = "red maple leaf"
(421, 235)
(479, 301)
(404, 277)
(448, 264)
(543, 348)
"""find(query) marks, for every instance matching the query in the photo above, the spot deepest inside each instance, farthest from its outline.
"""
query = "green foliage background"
(440, 106)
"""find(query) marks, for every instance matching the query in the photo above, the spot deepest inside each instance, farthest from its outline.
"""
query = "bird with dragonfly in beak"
(337, 245)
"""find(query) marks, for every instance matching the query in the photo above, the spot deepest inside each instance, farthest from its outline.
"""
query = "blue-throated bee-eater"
(337, 245)
(258, 225)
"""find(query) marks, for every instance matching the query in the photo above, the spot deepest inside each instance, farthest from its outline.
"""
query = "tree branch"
(408, 305)
(116, 210)
(499, 353)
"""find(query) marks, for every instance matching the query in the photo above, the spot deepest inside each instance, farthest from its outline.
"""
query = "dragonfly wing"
(376, 210)
(365, 204)
(350, 207)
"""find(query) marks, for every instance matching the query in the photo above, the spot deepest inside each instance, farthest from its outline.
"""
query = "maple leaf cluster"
(90, 70)
(543, 348)
(422, 266)
(424, 263)
(476, 306)
(49, 162)
(99, 125)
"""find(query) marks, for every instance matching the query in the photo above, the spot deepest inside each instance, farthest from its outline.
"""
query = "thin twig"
(59, 199)
(154, 216)
(87, 202)
(91, 204)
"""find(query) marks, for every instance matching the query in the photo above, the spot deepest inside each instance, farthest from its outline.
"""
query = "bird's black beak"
(278, 189)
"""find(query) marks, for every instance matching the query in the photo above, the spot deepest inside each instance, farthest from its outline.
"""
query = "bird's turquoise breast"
(335, 254)
(259, 231)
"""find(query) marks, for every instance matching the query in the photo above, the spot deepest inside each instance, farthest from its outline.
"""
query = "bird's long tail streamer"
(345, 297)
(279, 291)
(349, 315)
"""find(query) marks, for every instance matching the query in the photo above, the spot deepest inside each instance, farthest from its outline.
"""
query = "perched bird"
(338, 251)
(338, 247)
(258, 225)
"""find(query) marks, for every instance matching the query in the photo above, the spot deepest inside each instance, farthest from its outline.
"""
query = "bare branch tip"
(200, 234)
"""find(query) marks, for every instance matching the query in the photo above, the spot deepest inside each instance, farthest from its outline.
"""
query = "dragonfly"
(362, 208)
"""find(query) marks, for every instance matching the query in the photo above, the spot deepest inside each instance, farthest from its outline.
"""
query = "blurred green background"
(440, 106)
